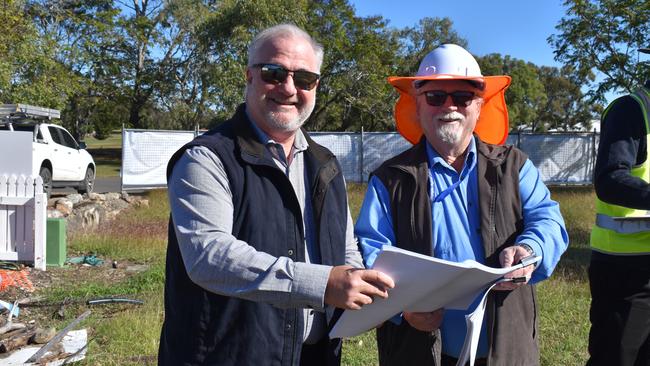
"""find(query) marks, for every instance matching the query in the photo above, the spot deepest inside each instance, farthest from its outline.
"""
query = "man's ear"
(249, 75)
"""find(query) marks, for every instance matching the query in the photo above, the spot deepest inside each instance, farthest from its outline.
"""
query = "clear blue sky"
(518, 28)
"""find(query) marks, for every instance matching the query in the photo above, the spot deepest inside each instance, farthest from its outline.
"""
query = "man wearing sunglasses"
(261, 246)
(460, 194)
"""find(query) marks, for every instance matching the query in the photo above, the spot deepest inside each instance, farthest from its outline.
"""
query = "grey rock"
(74, 198)
(137, 268)
(112, 196)
(54, 214)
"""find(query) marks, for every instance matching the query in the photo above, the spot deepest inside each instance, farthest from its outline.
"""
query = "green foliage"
(181, 63)
(359, 54)
(566, 108)
(604, 36)
(421, 39)
(29, 69)
(541, 98)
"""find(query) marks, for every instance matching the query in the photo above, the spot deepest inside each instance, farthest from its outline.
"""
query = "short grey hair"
(280, 31)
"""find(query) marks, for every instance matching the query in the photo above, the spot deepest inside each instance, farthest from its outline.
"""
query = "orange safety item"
(452, 62)
(12, 278)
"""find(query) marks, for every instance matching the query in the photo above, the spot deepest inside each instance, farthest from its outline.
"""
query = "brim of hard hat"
(492, 125)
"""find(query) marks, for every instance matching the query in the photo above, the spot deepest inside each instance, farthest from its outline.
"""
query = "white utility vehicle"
(57, 157)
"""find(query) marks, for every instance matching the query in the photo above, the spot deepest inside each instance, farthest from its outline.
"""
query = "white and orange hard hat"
(452, 62)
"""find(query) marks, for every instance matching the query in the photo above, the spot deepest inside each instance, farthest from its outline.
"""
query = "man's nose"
(449, 103)
(287, 86)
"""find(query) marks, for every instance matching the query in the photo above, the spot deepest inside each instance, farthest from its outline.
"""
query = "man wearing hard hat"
(619, 271)
(459, 194)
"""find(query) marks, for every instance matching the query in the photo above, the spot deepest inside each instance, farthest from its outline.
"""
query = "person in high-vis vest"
(619, 272)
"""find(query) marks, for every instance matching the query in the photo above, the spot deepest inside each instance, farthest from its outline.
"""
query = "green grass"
(107, 154)
(129, 335)
(113, 141)
(107, 166)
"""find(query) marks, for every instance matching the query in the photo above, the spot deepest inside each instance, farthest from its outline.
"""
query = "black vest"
(204, 328)
(511, 315)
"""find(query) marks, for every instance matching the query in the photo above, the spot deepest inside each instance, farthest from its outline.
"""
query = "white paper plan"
(474, 321)
(422, 283)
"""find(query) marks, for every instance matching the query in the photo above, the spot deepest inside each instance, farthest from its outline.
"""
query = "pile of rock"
(90, 210)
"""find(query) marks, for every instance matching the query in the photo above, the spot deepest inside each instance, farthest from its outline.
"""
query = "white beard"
(450, 133)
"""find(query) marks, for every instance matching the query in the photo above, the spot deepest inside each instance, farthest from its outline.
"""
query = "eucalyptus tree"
(359, 54)
(603, 36)
(30, 67)
(566, 107)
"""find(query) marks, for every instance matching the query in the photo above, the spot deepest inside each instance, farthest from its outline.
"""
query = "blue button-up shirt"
(456, 232)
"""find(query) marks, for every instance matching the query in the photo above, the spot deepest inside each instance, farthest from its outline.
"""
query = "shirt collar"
(434, 158)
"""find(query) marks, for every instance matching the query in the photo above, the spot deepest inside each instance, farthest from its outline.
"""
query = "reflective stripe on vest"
(623, 226)
(625, 236)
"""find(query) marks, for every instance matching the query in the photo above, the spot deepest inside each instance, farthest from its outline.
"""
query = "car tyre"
(46, 176)
(88, 183)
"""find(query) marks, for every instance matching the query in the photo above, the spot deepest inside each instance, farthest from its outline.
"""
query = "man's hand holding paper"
(352, 288)
(508, 257)
(423, 284)
(425, 322)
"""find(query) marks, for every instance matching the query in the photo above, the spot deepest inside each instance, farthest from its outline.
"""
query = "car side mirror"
(82, 145)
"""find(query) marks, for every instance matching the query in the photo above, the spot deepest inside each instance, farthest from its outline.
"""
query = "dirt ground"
(34, 307)
(38, 313)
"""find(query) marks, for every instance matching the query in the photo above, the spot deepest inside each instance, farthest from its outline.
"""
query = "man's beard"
(280, 124)
(450, 133)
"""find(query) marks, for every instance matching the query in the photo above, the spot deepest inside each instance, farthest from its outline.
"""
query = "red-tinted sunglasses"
(276, 74)
(460, 98)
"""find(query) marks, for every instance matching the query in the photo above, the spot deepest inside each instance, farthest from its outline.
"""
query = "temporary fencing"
(562, 158)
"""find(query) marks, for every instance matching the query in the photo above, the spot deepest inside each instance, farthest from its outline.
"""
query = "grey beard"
(292, 125)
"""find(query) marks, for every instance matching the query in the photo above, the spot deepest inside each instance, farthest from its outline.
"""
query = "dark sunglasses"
(276, 74)
(460, 98)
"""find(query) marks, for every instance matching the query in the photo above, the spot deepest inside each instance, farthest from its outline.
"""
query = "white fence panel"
(22, 219)
(145, 154)
(562, 158)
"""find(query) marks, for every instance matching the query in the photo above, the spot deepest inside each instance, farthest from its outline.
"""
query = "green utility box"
(55, 251)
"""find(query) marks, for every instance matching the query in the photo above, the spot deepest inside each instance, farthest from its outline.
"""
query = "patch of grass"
(107, 167)
(356, 192)
(107, 154)
(147, 281)
(113, 141)
(107, 160)
(360, 350)
(563, 321)
(129, 337)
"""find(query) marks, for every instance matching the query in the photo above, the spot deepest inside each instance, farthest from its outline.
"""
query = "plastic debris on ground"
(74, 344)
(90, 260)
(14, 310)
(15, 278)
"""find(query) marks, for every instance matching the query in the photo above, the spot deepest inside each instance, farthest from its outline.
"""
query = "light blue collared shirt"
(456, 232)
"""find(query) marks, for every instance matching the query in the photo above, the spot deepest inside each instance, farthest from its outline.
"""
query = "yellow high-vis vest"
(612, 234)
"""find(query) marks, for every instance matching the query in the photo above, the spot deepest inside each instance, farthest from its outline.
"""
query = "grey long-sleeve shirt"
(202, 209)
